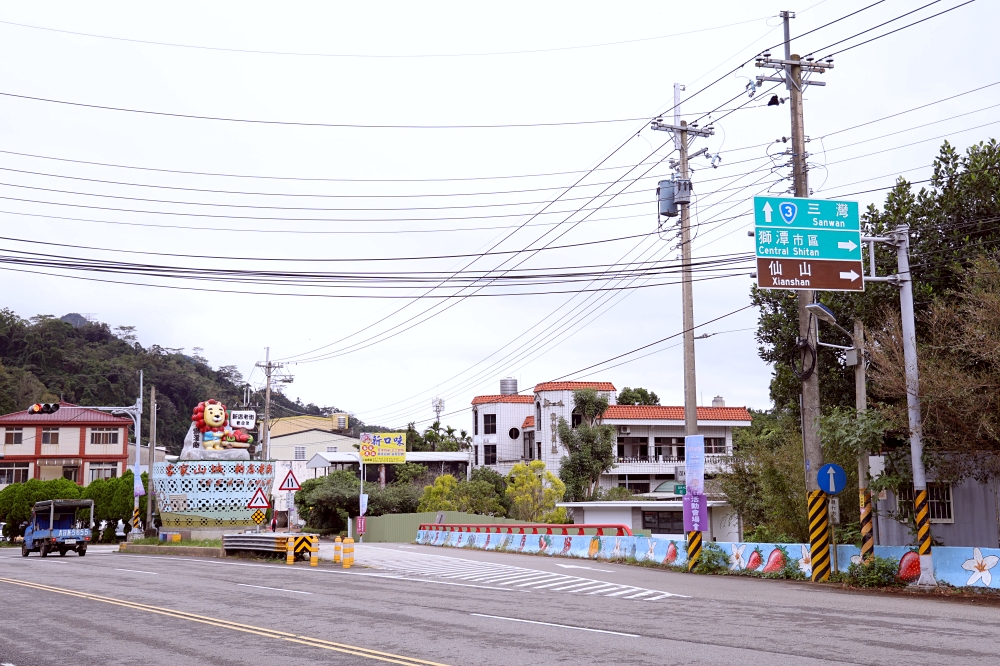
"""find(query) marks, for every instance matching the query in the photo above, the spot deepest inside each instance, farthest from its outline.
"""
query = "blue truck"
(53, 527)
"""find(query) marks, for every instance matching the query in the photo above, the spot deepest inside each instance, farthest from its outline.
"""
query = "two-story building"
(510, 428)
(75, 443)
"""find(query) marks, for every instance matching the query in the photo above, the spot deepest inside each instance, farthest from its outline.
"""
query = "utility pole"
(265, 433)
(861, 404)
(151, 457)
(819, 533)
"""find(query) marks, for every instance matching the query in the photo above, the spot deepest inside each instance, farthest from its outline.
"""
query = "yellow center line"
(235, 626)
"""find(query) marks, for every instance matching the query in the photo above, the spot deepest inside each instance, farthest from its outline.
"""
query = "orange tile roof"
(491, 399)
(669, 413)
(68, 414)
(528, 423)
(574, 386)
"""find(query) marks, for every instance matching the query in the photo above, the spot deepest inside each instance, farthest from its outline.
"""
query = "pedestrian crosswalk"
(501, 576)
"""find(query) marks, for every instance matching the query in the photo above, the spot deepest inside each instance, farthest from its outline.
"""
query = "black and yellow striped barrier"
(135, 518)
(819, 536)
(867, 536)
(693, 549)
(923, 521)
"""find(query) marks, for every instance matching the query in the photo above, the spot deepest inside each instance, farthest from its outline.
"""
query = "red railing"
(565, 530)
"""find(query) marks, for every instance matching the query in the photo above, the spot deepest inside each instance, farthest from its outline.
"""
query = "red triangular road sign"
(290, 482)
(258, 501)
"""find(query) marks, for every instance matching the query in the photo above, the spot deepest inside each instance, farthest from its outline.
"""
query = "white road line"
(552, 624)
(565, 579)
(568, 587)
(625, 591)
(276, 589)
(137, 571)
(533, 583)
(599, 588)
(636, 596)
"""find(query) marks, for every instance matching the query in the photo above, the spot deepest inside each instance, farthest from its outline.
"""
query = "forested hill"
(45, 359)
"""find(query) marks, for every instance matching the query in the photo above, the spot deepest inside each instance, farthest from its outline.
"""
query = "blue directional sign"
(808, 244)
(831, 478)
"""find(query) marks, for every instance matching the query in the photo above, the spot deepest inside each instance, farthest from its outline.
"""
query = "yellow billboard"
(383, 448)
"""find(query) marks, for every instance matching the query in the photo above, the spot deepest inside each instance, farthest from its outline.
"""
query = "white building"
(509, 428)
(299, 438)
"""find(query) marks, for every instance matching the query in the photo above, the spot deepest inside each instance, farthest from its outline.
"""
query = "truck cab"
(53, 527)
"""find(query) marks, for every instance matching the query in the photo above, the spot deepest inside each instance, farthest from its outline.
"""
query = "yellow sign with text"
(383, 448)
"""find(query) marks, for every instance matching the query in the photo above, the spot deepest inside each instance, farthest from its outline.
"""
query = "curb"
(197, 551)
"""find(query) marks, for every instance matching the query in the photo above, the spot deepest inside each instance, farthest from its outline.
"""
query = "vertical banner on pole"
(695, 503)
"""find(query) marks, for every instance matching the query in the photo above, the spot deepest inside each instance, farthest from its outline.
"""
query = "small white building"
(657, 517)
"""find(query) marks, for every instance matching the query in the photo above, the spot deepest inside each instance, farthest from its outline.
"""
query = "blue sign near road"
(831, 478)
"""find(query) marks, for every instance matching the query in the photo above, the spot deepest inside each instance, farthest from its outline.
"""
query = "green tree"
(533, 491)
(637, 396)
(590, 446)
(330, 501)
(479, 497)
(440, 496)
(406, 473)
(499, 483)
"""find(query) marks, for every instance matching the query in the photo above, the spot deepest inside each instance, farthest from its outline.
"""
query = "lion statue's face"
(215, 415)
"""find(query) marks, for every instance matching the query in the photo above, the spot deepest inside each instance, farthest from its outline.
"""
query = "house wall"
(509, 415)
(315, 441)
(974, 511)
(68, 445)
(27, 445)
(118, 449)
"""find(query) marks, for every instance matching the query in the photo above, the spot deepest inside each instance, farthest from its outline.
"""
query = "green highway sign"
(680, 489)
(812, 244)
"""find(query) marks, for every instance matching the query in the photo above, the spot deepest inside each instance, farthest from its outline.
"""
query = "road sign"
(808, 244)
(834, 504)
(680, 489)
(680, 474)
(258, 516)
(243, 419)
(361, 524)
(831, 478)
(259, 500)
(290, 482)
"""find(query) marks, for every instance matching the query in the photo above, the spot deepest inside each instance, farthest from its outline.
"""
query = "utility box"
(682, 190)
(665, 198)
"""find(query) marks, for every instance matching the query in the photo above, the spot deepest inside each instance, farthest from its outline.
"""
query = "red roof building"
(574, 386)
(494, 399)
(75, 443)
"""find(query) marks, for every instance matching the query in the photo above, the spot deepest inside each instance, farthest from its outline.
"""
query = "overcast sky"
(439, 64)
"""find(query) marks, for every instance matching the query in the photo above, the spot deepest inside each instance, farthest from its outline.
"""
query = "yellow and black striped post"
(313, 550)
(867, 537)
(135, 519)
(694, 549)
(336, 550)
(819, 536)
(290, 550)
(923, 521)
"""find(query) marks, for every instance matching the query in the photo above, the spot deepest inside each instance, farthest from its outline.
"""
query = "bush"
(765, 534)
(876, 572)
(713, 559)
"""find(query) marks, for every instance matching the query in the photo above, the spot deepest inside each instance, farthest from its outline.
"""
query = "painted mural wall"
(952, 565)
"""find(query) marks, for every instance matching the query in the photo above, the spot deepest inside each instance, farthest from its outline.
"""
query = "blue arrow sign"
(831, 478)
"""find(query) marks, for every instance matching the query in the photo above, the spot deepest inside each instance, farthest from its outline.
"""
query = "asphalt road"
(424, 605)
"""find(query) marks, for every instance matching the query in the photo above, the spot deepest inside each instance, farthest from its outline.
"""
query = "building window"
(529, 444)
(300, 453)
(489, 424)
(50, 435)
(715, 445)
(939, 505)
(13, 472)
(12, 436)
(341, 422)
(104, 436)
(331, 449)
(475, 421)
(72, 473)
(577, 419)
(538, 415)
(489, 454)
(663, 522)
(103, 471)
(475, 455)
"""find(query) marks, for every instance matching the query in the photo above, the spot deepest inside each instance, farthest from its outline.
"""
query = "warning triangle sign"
(290, 482)
(258, 501)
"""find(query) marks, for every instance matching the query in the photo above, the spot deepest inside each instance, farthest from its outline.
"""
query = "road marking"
(137, 571)
(276, 589)
(577, 566)
(552, 624)
(234, 626)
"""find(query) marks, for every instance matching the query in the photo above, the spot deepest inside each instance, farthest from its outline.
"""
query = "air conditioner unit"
(624, 430)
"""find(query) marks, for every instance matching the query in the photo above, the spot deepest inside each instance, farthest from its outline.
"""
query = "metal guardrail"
(304, 545)
(565, 530)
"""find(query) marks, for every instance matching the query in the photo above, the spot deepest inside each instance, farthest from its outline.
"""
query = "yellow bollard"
(336, 550)
(348, 552)
(313, 551)
(290, 551)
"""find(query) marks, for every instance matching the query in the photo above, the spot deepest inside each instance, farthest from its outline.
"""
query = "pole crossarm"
(807, 64)
(690, 129)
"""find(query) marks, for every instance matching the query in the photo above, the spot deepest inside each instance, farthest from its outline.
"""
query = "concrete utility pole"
(681, 190)
(151, 457)
(265, 433)
(819, 534)
(861, 404)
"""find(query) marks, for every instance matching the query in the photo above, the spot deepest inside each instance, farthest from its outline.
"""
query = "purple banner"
(695, 513)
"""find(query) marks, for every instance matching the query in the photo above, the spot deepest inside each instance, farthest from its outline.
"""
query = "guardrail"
(304, 545)
(565, 530)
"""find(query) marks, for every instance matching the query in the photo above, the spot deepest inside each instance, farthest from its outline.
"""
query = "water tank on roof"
(508, 386)
(717, 401)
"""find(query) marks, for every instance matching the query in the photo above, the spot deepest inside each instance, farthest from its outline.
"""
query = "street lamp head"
(822, 312)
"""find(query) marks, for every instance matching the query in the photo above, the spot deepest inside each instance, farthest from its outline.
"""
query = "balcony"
(660, 464)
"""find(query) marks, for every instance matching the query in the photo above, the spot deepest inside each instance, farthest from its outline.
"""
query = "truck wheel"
(24, 549)
(62, 551)
(82, 551)
(43, 550)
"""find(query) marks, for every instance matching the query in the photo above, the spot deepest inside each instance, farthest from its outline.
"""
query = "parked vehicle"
(53, 527)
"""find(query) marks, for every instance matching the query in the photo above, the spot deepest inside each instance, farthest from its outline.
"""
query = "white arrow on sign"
(833, 483)
(849, 245)
(850, 275)
(767, 211)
